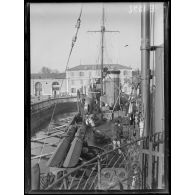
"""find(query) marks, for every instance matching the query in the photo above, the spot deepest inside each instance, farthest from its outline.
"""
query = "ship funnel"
(112, 86)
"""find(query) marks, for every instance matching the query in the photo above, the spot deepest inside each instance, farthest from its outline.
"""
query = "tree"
(45, 70)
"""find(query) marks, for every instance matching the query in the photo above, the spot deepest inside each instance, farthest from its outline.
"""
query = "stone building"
(80, 77)
(48, 85)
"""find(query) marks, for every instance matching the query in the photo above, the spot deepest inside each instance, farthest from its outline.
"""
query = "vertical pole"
(150, 166)
(102, 51)
(33, 87)
(67, 89)
(65, 182)
(167, 69)
(145, 65)
(160, 168)
(128, 171)
(99, 173)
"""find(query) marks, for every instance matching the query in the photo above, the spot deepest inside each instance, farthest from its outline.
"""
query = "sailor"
(86, 108)
(141, 127)
(134, 134)
(117, 136)
(126, 105)
(131, 119)
(91, 121)
(136, 119)
(120, 131)
(87, 120)
(107, 107)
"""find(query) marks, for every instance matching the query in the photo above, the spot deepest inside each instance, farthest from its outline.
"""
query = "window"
(81, 74)
(55, 83)
(125, 72)
(72, 82)
(38, 89)
(73, 90)
(72, 74)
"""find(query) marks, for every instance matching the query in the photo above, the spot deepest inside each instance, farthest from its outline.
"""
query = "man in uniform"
(117, 135)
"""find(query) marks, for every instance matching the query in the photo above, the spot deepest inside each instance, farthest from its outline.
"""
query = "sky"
(52, 27)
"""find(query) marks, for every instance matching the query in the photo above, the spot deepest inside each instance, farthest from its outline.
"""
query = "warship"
(115, 141)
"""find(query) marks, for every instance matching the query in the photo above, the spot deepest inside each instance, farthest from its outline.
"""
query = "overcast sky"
(52, 27)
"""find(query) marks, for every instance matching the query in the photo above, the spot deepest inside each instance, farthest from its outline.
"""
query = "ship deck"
(102, 136)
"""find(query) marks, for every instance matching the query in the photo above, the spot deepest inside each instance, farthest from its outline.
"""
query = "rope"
(73, 42)
(75, 37)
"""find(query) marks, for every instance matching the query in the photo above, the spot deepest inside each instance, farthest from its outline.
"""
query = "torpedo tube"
(59, 155)
(75, 149)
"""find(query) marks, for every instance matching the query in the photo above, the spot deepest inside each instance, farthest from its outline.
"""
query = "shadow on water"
(37, 149)
(41, 119)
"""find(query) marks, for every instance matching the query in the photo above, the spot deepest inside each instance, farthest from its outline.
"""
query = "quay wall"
(40, 119)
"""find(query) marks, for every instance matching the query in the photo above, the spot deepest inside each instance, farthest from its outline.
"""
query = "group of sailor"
(135, 121)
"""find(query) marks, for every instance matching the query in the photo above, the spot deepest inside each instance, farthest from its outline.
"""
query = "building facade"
(80, 77)
(48, 85)
(77, 78)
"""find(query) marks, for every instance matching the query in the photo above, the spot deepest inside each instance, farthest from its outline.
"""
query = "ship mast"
(102, 51)
(145, 65)
(102, 31)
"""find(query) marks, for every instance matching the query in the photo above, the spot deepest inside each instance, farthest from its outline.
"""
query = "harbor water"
(38, 149)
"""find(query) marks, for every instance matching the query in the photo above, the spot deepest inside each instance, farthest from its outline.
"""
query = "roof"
(98, 66)
(48, 76)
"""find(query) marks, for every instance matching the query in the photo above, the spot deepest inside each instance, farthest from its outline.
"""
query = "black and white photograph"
(99, 118)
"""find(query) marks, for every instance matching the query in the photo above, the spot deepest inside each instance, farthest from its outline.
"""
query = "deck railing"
(139, 165)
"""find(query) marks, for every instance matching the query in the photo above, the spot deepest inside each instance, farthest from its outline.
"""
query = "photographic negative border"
(167, 98)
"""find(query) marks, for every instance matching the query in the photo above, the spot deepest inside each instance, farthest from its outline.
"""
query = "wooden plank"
(150, 166)
(56, 131)
(48, 144)
(40, 156)
(41, 138)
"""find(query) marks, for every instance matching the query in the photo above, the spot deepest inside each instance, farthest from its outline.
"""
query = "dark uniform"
(117, 135)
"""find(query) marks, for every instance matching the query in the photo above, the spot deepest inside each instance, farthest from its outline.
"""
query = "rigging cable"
(73, 43)
(77, 26)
